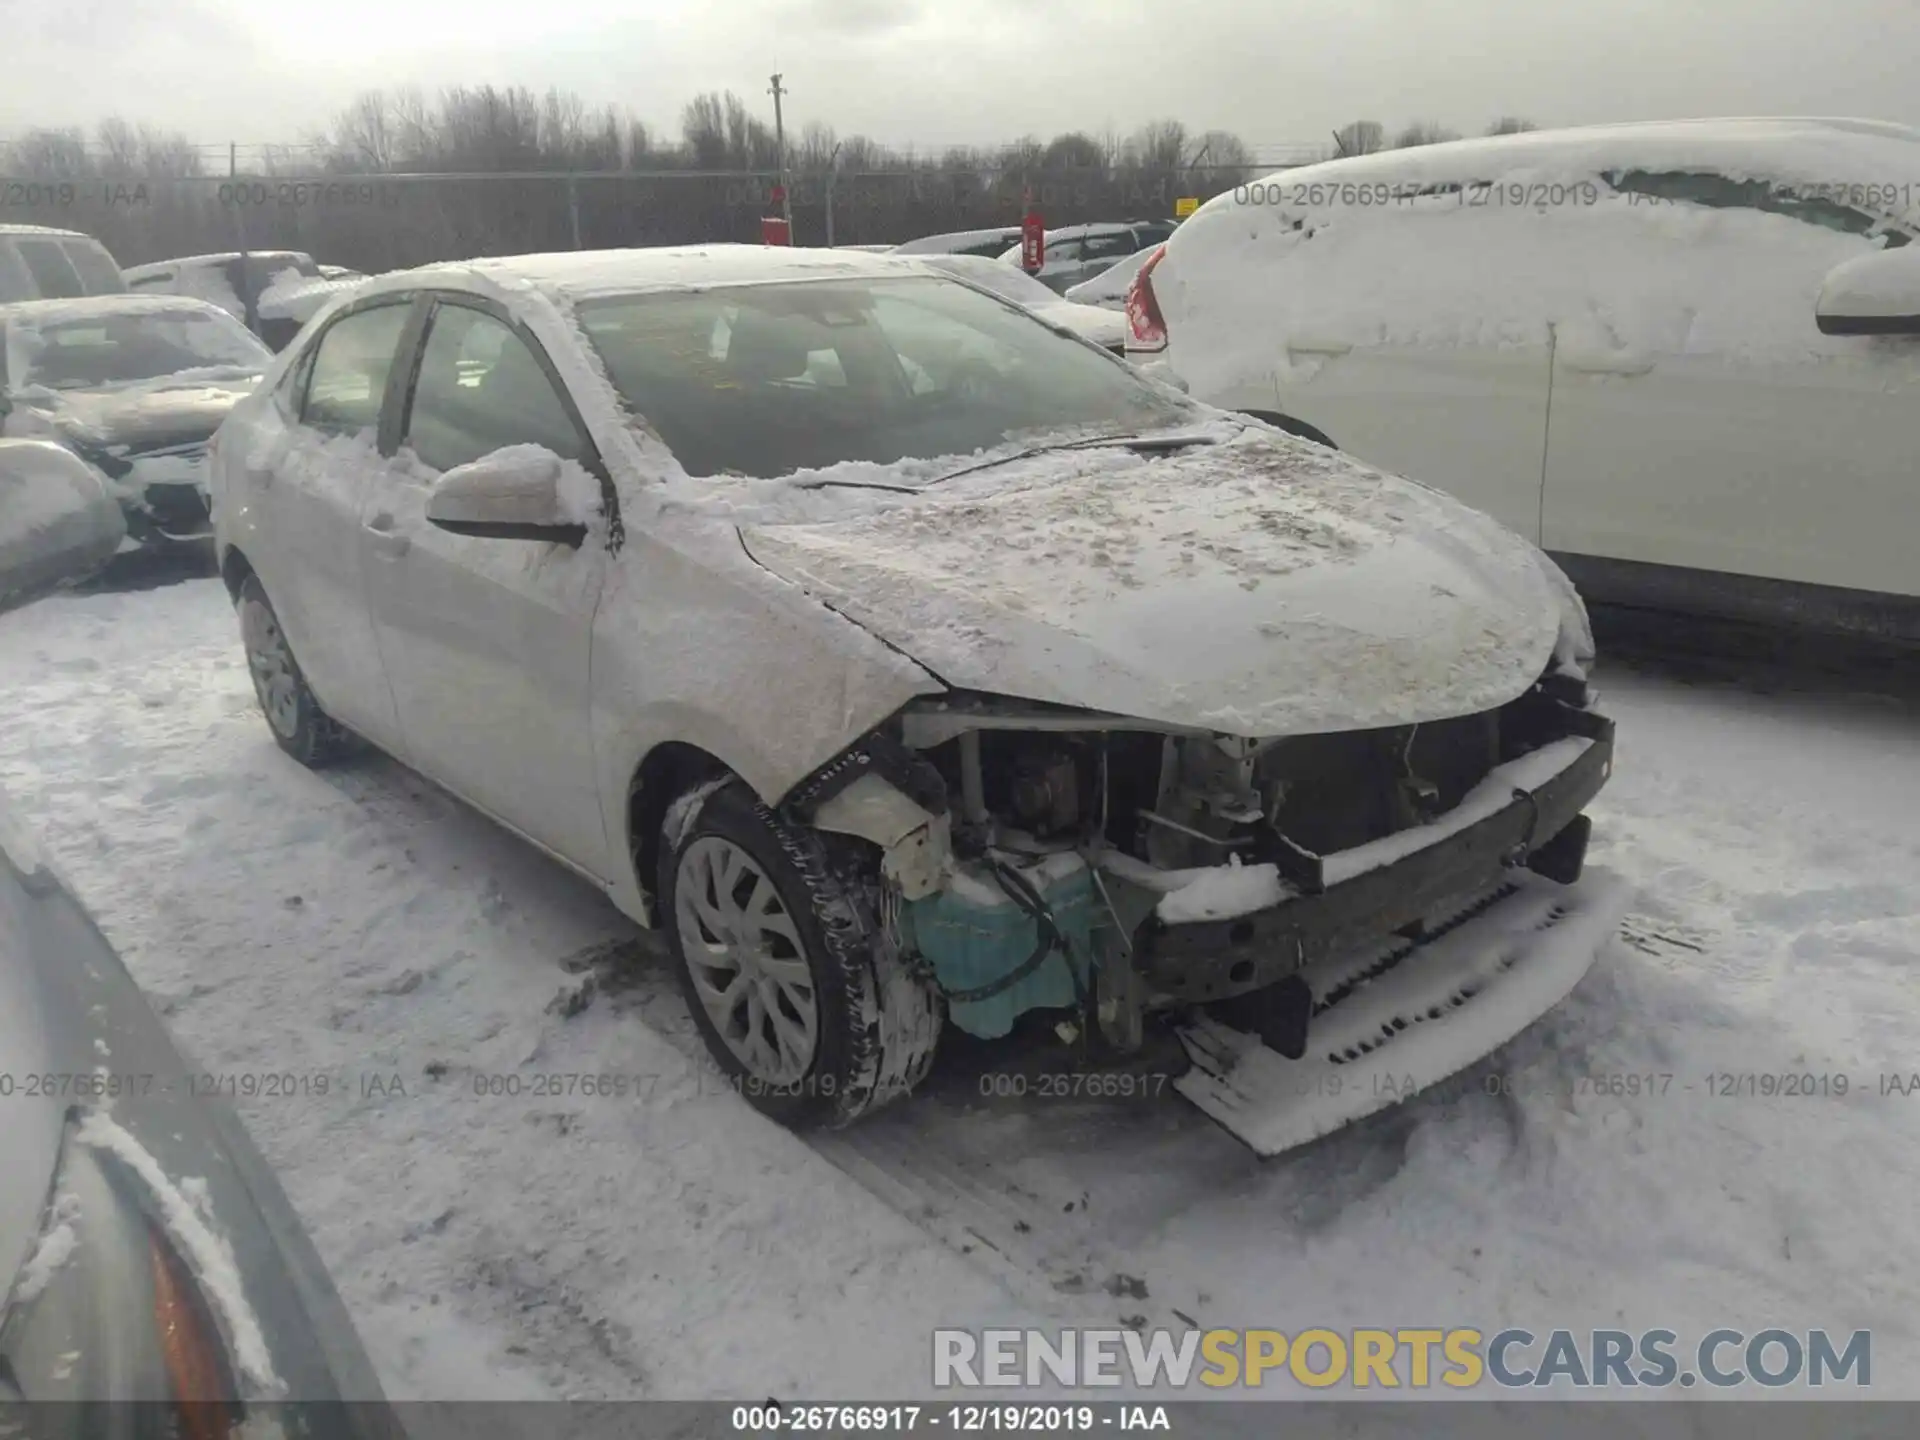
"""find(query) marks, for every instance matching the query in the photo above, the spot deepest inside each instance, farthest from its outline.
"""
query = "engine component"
(1045, 794)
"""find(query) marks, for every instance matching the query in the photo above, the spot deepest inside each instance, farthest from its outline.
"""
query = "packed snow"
(1223, 892)
(668, 1242)
(1271, 279)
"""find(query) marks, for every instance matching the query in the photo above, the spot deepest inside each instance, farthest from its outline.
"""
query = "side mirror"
(58, 524)
(1877, 294)
(511, 494)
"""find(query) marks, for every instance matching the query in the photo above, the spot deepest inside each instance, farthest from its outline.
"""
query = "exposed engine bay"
(1039, 858)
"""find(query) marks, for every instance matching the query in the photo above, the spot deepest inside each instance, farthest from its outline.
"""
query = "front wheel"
(798, 995)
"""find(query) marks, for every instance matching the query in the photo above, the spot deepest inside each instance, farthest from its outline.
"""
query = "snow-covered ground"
(670, 1243)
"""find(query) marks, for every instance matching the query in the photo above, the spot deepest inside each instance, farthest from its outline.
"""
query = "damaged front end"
(1292, 901)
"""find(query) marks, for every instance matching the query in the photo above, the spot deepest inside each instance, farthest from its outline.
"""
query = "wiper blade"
(1144, 444)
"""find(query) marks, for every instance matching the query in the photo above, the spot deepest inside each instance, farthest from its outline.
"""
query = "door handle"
(384, 540)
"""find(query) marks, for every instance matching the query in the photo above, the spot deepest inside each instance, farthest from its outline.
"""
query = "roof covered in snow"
(81, 307)
(577, 274)
(1816, 151)
(219, 258)
(44, 230)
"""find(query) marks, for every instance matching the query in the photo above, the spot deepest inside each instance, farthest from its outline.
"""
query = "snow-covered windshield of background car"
(765, 380)
(1005, 280)
(89, 351)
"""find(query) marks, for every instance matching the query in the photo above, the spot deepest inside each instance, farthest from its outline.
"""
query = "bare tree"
(1511, 125)
(1423, 132)
(1360, 137)
(1074, 150)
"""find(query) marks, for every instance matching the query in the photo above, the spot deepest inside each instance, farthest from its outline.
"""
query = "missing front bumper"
(1392, 1019)
(1197, 962)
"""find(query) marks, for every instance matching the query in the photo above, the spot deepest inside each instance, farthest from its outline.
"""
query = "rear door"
(1414, 336)
(308, 473)
(1700, 420)
(487, 642)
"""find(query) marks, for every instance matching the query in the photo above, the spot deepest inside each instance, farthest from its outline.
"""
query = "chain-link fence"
(377, 222)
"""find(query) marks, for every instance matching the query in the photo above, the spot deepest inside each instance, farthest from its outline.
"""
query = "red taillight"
(1146, 328)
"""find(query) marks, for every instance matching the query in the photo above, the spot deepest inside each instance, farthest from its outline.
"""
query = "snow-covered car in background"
(1684, 357)
(906, 694)
(1108, 290)
(1080, 252)
(962, 242)
(278, 291)
(135, 385)
(38, 263)
(1101, 327)
(147, 1252)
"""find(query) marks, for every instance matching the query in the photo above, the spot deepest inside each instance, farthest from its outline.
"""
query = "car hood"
(147, 417)
(1259, 586)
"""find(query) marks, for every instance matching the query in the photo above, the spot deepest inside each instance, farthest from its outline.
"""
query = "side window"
(1109, 247)
(293, 385)
(95, 267)
(53, 274)
(1065, 250)
(1820, 205)
(482, 389)
(349, 370)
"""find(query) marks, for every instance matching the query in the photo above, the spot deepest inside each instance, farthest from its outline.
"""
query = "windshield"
(1007, 281)
(765, 380)
(91, 351)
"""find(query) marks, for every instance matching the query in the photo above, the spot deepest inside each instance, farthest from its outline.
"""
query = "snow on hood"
(1260, 586)
(1108, 289)
(1103, 327)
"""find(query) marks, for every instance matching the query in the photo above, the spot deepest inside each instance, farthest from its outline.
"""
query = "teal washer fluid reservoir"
(973, 933)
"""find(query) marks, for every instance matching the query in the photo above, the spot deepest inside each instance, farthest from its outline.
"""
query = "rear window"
(95, 266)
(53, 274)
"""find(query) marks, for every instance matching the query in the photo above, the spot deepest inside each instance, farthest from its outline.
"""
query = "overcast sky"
(1276, 72)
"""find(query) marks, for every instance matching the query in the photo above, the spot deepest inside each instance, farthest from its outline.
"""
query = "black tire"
(299, 725)
(876, 1023)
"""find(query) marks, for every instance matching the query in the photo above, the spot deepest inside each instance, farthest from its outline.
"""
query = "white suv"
(1683, 357)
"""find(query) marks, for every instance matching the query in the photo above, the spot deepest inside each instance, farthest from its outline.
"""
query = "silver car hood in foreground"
(1262, 586)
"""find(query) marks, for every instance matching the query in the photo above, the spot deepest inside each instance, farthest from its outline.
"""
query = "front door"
(487, 641)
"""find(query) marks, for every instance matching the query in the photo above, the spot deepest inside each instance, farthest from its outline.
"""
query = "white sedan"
(1684, 357)
(913, 664)
(1104, 328)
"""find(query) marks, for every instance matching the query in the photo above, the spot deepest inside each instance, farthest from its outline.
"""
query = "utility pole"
(780, 141)
(833, 174)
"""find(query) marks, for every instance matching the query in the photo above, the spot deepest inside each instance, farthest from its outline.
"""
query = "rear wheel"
(302, 728)
(795, 990)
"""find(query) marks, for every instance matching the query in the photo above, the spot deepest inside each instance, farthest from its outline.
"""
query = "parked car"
(37, 263)
(906, 692)
(1103, 327)
(1108, 289)
(275, 292)
(963, 242)
(146, 1251)
(1682, 356)
(1079, 252)
(135, 385)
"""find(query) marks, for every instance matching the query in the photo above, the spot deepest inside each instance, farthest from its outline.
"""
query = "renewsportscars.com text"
(1402, 1359)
